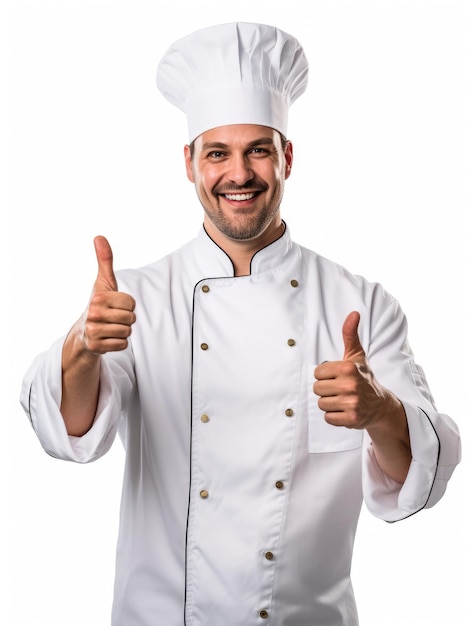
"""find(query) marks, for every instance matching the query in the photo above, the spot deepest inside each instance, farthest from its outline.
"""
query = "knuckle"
(349, 368)
(94, 312)
(93, 346)
(89, 330)
(351, 387)
(120, 345)
(99, 298)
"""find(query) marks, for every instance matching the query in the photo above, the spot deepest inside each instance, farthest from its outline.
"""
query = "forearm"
(80, 384)
(391, 442)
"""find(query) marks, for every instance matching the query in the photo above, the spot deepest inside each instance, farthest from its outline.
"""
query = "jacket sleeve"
(41, 398)
(435, 439)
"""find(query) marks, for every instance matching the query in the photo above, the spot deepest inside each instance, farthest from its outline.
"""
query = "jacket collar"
(217, 263)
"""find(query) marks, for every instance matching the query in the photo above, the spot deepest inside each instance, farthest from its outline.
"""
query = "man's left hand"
(349, 393)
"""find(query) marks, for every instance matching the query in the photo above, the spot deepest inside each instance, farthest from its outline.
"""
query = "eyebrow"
(213, 145)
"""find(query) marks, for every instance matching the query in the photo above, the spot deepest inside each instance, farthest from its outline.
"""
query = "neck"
(242, 252)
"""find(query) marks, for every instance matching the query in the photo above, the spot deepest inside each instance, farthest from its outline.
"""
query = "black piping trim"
(29, 403)
(268, 245)
(191, 452)
(191, 433)
(222, 250)
(435, 476)
(191, 392)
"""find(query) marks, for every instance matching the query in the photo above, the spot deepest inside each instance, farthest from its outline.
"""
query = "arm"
(352, 397)
(104, 327)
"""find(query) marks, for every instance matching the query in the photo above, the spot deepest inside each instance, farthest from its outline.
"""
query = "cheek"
(204, 189)
(272, 173)
(207, 181)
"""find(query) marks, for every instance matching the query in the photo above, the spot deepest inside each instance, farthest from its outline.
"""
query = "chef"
(265, 392)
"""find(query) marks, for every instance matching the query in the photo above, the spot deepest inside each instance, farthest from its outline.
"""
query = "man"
(264, 393)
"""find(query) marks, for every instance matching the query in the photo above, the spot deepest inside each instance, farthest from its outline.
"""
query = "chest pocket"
(323, 437)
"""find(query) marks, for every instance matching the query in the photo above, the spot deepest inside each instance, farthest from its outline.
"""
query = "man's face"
(239, 173)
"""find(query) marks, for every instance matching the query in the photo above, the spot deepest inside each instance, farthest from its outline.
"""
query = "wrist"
(75, 353)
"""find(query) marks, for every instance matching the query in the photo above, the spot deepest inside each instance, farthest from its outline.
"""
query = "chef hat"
(239, 73)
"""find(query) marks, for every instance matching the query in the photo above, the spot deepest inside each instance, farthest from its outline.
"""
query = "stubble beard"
(242, 227)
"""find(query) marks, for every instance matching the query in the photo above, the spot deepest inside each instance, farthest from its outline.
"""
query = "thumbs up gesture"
(351, 396)
(347, 389)
(107, 322)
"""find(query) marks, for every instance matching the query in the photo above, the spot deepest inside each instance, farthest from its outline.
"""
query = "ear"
(288, 159)
(188, 164)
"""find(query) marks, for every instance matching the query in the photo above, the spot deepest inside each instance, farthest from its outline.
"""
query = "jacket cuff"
(41, 398)
(386, 498)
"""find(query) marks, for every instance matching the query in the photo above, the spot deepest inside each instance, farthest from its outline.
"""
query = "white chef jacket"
(240, 503)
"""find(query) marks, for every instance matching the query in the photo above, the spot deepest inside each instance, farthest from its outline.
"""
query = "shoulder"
(333, 283)
(331, 270)
(156, 275)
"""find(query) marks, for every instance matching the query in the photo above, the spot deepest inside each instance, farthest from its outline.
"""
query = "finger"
(102, 338)
(99, 315)
(106, 280)
(325, 387)
(108, 344)
(332, 369)
(103, 302)
(351, 341)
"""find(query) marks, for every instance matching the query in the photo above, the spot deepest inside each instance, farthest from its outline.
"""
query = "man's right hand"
(107, 322)
(104, 327)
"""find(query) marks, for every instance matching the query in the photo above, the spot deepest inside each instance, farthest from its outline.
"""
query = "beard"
(242, 226)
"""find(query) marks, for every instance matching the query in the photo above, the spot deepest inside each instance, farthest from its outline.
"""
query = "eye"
(258, 151)
(215, 154)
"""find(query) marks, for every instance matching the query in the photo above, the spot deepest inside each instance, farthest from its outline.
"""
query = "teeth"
(239, 196)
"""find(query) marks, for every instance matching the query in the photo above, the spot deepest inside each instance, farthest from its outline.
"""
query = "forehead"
(236, 135)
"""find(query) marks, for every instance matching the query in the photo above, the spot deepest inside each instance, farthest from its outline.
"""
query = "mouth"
(240, 197)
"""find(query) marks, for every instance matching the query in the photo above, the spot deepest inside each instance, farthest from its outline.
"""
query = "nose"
(239, 172)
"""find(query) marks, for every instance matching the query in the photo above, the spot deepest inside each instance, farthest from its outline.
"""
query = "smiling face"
(239, 173)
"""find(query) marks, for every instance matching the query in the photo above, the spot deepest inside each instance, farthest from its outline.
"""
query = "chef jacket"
(240, 502)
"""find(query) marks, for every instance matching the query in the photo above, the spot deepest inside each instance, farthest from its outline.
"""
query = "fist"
(108, 320)
(348, 392)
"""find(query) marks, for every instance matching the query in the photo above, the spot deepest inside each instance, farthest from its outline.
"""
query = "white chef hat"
(239, 73)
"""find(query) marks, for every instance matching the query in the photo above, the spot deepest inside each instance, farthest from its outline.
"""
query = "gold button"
(204, 494)
(291, 342)
(289, 412)
(205, 418)
(269, 556)
(279, 484)
(263, 614)
(204, 346)
(294, 283)
(205, 288)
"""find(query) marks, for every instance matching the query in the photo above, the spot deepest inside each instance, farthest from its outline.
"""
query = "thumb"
(353, 348)
(106, 280)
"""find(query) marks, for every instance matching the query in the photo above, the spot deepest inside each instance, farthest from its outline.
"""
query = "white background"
(380, 184)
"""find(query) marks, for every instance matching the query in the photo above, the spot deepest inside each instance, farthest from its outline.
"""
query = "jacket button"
(279, 484)
(204, 494)
(291, 342)
(263, 614)
(204, 418)
(204, 346)
(289, 412)
(294, 283)
(205, 288)
(269, 556)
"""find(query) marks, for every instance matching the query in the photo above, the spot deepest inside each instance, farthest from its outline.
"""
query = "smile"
(239, 197)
